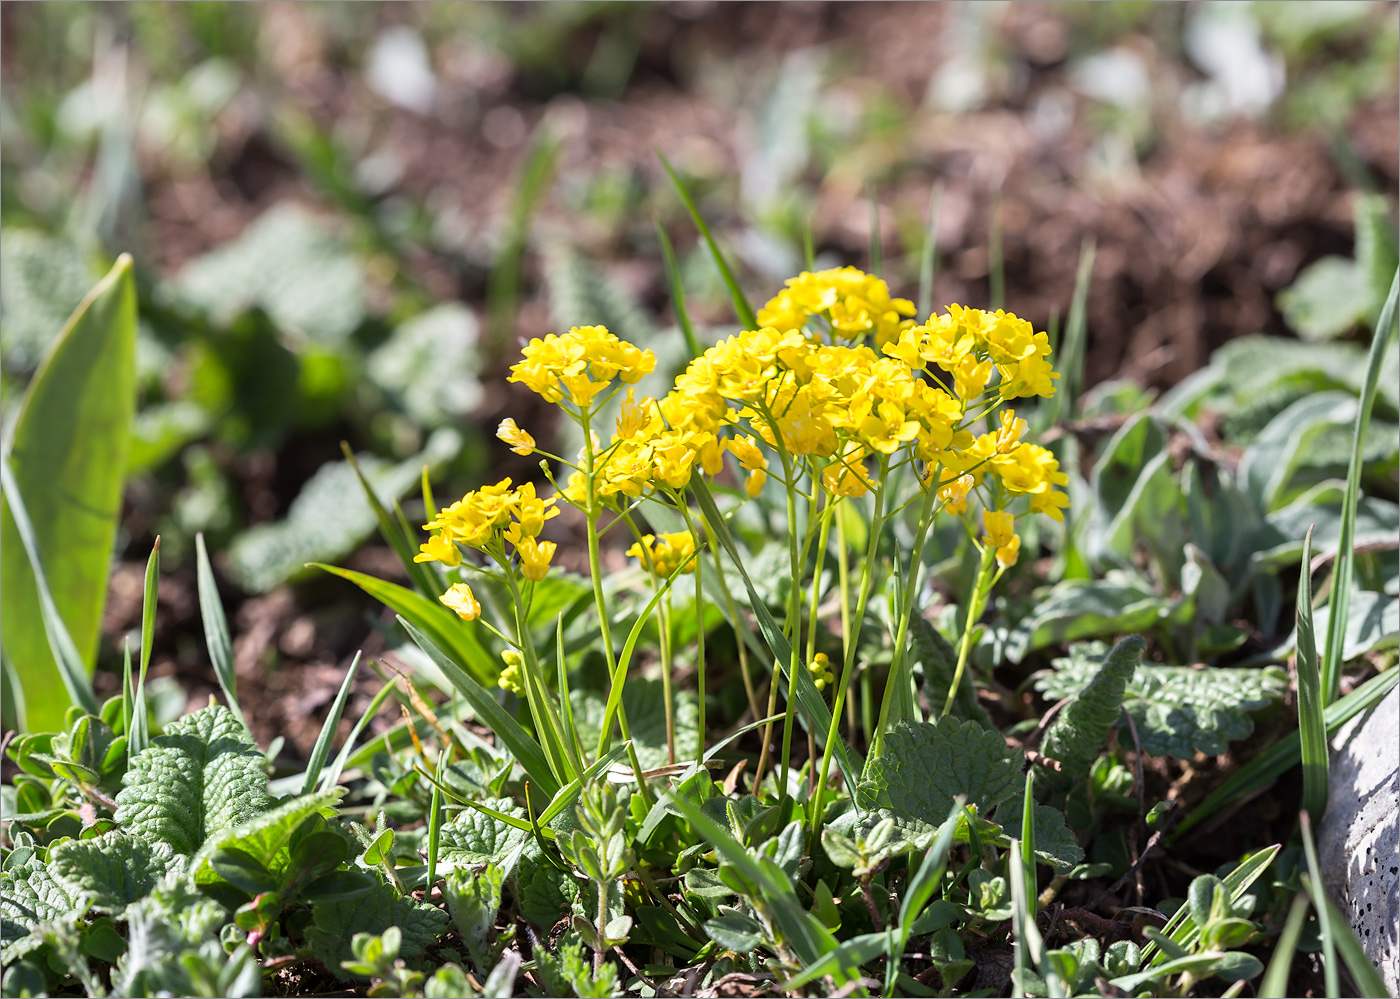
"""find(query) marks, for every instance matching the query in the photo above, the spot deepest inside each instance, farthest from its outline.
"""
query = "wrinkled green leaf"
(112, 870)
(334, 924)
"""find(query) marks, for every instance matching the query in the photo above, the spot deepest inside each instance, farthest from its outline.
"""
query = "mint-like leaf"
(1079, 730)
(266, 835)
(201, 776)
(644, 703)
(112, 870)
(28, 895)
(1177, 710)
(927, 764)
(334, 924)
(939, 660)
(543, 892)
(473, 837)
(1054, 841)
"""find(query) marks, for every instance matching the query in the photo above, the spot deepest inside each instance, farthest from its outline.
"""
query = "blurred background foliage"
(344, 217)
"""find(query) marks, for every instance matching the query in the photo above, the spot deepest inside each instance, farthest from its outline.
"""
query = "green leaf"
(474, 899)
(472, 837)
(521, 743)
(1269, 462)
(733, 930)
(1312, 729)
(28, 895)
(288, 265)
(747, 318)
(939, 660)
(334, 924)
(68, 458)
(543, 891)
(1055, 844)
(112, 870)
(46, 278)
(201, 776)
(1078, 608)
(927, 764)
(447, 631)
(642, 699)
(1328, 298)
(216, 635)
(429, 365)
(266, 835)
(326, 520)
(1178, 710)
(1078, 732)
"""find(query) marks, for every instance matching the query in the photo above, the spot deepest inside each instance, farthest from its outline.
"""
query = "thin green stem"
(867, 576)
(699, 638)
(794, 627)
(898, 684)
(740, 625)
(974, 611)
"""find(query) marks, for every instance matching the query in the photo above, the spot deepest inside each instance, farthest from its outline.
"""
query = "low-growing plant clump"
(794, 746)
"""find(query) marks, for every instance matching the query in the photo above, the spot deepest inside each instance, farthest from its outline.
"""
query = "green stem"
(699, 637)
(794, 627)
(740, 625)
(852, 632)
(974, 611)
(595, 571)
(898, 683)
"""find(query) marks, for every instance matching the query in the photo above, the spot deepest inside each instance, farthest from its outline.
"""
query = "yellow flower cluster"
(823, 673)
(665, 552)
(1001, 534)
(969, 343)
(512, 676)
(854, 303)
(486, 519)
(580, 364)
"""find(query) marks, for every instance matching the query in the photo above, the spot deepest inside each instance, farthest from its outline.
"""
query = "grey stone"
(1359, 842)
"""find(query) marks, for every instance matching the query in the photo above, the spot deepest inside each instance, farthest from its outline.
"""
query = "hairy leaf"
(939, 660)
(334, 924)
(1177, 710)
(925, 765)
(112, 870)
(474, 898)
(267, 834)
(543, 892)
(473, 837)
(28, 895)
(646, 710)
(1054, 841)
(1079, 730)
(203, 775)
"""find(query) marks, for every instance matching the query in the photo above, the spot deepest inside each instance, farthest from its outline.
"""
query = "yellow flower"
(530, 511)
(1008, 553)
(953, 493)
(754, 484)
(885, 429)
(520, 442)
(438, 549)
(847, 475)
(746, 450)
(580, 363)
(1011, 432)
(460, 598)
(665, 552)
(1000, 527)
(534, 557)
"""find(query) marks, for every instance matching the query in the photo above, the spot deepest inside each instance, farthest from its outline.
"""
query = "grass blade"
(929, 251)
(1274, 984)
(1285, 754)
(929, 875)
(521, 744)
(1061, 405)
(1342, 569)
(1182, 928)
(673, 278)
(566, 707)
(1331, 974)
(1028, 839)
(434, 822)
(1312, 730)
(429, 616)
(747, 317)
(1368, 981)
(330, 777)
(322, 749)
(396, 534)
(70, 664)
(1029, 945)
(216, 633)
(140, 737)
(128, 705)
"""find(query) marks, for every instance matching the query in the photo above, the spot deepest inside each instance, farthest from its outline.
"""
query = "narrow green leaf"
(67, 459)
(1312, 730)
(929, 251)
(216, 633)
(332, 776)
(70, 669)
(434, 826)
(673, 278)
(1071, 360)
(140, 737)
(1368, 981)
(562, 676)
(1028, 836)
(929, 876)
(1274, 984)
(322, 749)
(1182, 930)
(1285, 754)
(569, 793)
(1331, 974)
(521, 744)
(1386, 330)
(745, 312)
(446, 630)
(395, 534)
